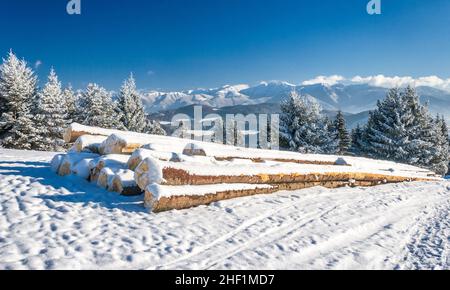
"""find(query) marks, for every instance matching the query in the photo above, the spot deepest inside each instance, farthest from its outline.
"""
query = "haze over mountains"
(354, 99)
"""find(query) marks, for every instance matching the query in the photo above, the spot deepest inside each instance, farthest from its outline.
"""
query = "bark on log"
(168, 173)
(178, 202)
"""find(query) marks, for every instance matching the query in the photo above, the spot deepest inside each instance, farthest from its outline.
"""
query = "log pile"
(174, 173)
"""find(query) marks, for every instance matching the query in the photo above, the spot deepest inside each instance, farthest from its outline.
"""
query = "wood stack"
(178, 173)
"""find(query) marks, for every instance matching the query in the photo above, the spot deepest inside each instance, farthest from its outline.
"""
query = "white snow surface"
(49, 222)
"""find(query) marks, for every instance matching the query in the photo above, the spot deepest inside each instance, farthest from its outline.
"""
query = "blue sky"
(179, 44)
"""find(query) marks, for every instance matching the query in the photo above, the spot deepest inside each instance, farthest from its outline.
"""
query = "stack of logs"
(178, 173)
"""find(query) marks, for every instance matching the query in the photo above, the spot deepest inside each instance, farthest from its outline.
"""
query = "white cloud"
(396, 81)
(37, 64)
(384, 81)
(326, 80)
(150, 72)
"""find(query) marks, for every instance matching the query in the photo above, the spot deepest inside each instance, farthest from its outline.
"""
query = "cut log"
(106, 177)
(75, 130)
(124, 183)
(190, 173)
(159, 198)
(118, 144)
(70, 160)
(162, 198)
(192, 149)
(111, 161)
(82, 168)
(127, 142)
(56, 162)
(140, 154)
(88, 143)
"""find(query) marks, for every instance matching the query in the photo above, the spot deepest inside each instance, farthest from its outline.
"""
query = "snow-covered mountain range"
(351, 98)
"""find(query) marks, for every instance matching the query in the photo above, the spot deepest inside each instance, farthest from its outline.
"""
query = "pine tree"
(17, 95)
(303, 128)
(71, 100)
(343, 136)
(386, 135)
(357, 141)
(130, 104)
(99, 109)
(154, 128)
(50, 116)
(440, 160)
(420, 128)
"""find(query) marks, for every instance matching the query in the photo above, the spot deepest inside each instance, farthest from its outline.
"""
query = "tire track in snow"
(429, 247)
(176, 264)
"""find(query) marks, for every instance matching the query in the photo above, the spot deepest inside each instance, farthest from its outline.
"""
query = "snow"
(49, 222)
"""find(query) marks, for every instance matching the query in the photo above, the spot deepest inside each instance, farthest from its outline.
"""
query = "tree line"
(400, 129)
(34, 119)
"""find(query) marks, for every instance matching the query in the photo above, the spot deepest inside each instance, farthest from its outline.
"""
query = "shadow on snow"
(78, 190)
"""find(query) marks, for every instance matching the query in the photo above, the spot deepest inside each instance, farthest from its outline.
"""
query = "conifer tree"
(17, 95)
(386, 135)
(99, 109)
(131, 107)
(50, 116)
(303, 127)
(154, 128)
(343, 136)
(71, 100)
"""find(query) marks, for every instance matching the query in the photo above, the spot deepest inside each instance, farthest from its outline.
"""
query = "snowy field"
(49, 222)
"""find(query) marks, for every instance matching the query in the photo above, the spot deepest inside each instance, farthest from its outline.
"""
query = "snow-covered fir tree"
(386, 134)
(343, 136)
(153, 127)
(98, 108)
(71, 100)
(303, 128)
(402, 130)
(357, 142)
(440, 160)
(50, 116)
(130, 104)
(17, 95)
(421, 131)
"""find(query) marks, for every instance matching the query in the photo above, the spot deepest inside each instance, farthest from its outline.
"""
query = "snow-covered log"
(192, 149)
(88, 143)
(82, 168)
(70, 160)
(119, 144)
(160, 198)
(140, 154)
(124, 183)
(111, 161)
(123, 142)
(56, 162)
(202, 172)
(106, 177)
(75, 130)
